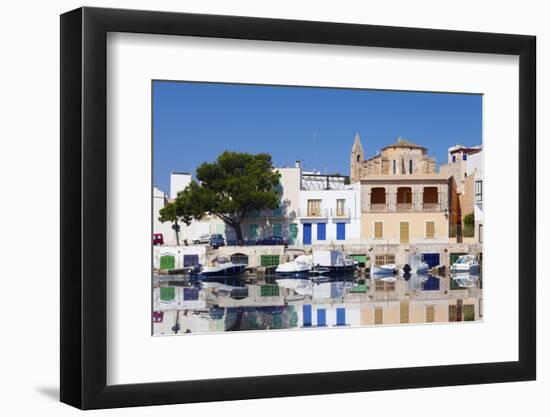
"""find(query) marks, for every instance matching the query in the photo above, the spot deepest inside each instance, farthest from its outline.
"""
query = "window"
(380, 260)
(378, 230)
(464, 157)
(313, 207)
(378, 316)
(403, 232)
(340, 207)
(410, 166)
(394, 167)
(430, 230)
(404, 312)
(321, 231)
(253, 233)
(479, 190)
(454, 158)
(430, 314)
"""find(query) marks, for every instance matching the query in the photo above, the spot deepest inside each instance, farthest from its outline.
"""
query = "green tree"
(172, 212)
(230, 188)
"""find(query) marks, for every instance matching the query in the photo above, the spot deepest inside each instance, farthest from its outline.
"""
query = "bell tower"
(356, 159)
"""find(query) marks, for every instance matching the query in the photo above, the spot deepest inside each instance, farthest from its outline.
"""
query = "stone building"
(400, 158)
(404, 202)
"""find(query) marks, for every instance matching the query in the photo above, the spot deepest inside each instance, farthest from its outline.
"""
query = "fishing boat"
(466, 263)
(382, 270)
(332, 262)
(221, 270)
(416, 265)
(464, 279)
(297, 268)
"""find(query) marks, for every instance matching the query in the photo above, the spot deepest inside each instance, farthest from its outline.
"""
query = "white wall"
(328, 205)
(178, 182)
(30, 348)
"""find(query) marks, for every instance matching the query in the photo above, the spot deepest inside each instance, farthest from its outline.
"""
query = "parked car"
(158, 239)
(272, 240)
(216, 241)
(202, 239)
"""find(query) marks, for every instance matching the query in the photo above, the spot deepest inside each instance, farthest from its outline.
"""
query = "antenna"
(314, 151)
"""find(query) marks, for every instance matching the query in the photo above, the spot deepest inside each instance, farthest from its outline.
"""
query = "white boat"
(387, 269)
(416, 264)
(466, 263)
(300, 286)
(332, 262)
(298, 267)
(464, 279)
(221, 270)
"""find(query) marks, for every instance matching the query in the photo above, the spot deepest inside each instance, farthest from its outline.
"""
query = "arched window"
(358, 158)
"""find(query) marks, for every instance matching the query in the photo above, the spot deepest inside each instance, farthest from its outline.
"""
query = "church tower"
(356, 159)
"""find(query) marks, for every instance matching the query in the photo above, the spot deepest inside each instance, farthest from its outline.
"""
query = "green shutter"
(167, 293)
(269, 260)
(253, 231)
(167, 262)
(293, 229)
(269, 290)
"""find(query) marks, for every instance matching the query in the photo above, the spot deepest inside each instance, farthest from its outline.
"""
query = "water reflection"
(253, 302)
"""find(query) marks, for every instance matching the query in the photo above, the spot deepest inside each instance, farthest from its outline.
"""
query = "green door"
(167, 262)
(167, 294)
(293, 229)
(277, 230)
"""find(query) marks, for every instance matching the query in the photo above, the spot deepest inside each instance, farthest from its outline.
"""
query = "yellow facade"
(420, 227)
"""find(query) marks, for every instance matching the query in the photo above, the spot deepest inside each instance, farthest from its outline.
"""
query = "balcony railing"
(379, 207)
(404, 206)
(317, 213)
(341, 212)
(431, 206)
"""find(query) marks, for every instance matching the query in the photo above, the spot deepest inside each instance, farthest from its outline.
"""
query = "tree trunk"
(238, 233)
(177, 233)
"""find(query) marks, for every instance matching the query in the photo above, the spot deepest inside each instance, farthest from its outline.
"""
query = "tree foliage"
(233, 186)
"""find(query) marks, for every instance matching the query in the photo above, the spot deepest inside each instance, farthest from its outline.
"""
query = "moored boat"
(332, 262)
(221, 270)
(297, 268)
(416, 265)
(466, 263)
(383, 270)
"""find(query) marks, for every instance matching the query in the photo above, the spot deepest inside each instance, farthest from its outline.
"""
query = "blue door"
(307, 233)
(307, 315)
(321, 317)
(340, 316)
(340, 231)
(321, 231)
(432, 259)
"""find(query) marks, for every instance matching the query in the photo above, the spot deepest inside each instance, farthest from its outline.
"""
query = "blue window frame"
(321, 231)
(307, 315)
(307, 234)
(340, 316)
(321, 317)
(340, 231)
(464, 157)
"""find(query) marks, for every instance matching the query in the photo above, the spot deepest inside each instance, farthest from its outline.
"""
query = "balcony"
(431, 207)
(342, 213)
(317, 213)
(404, 207)
(381, 207)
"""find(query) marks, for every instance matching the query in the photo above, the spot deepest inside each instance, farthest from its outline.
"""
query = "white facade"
(178, 182)
(475, 167)
(330, 216)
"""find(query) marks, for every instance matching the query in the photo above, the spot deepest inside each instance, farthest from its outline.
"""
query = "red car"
(158, 239)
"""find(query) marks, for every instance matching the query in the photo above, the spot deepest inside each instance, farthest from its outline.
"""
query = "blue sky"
(195, 122)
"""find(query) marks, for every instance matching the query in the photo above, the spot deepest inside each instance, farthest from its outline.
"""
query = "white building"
(475, 168)
(329, 215)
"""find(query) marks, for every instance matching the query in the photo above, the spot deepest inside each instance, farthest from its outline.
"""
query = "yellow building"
(405, 203)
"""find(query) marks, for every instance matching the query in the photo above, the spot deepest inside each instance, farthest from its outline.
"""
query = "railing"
(312, 213)
(379, 207)
(430, 206)
(404, 206)
(341, 212)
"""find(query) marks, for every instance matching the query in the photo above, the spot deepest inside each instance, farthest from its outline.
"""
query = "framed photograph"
(259, 208)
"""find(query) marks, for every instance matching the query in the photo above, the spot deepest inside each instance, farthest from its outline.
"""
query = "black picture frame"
(84, 207)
